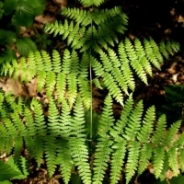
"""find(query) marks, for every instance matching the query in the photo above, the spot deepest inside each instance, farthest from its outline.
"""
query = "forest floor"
(166, 21)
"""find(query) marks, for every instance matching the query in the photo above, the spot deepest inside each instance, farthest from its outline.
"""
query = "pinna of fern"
(115, 139)
(141, 143)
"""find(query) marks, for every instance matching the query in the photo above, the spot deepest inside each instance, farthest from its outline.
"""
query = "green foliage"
(67, 136)
(10, 169)
(16, 14)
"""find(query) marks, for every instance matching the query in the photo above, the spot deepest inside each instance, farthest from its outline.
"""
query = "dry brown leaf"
(12, 85)
(43, 19)
(62, 3)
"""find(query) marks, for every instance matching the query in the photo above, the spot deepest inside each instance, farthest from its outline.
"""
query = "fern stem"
(91, 88)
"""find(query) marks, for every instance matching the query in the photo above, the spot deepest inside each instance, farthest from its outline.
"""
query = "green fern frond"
(65, 120)
(171, 133)
(142, 56)
(78, 125)
(180, 160)
(39, 61)
(23, 165)
(38, 118)
(45, 61)
(50, 154)
(40, 80)
(113, 88)
(72, 88)
(56, 59)
(122, 122)
(8, 145)
(158, 160)
(50, 83)
(10, 127)
(66, 64)
(102, 155)
(144, 157)
(18, 124)
(119, 150)
(53, 119)
(132, 162)
(173, 160)
(64, 159)
(147, 126)
(106, 120)
(61, 86)
(160, 130)
(92, 2)
(18, 148)
(133, 125)
(79, 153)
(79, 16)
(85, 92)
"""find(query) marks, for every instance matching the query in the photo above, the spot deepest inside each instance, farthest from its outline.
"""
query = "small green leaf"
(25, 45)
(9, 6)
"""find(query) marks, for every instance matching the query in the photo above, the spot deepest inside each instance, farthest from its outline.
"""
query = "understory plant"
(16, 16)
(57, 122)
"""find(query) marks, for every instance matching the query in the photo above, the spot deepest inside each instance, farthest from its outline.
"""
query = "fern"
(59, 125)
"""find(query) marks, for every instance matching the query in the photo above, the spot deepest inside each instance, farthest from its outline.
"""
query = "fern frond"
(158, 160)
(53, 119)
(65, 120)
(171, 133)
(40, 80)
(151, 55)
(156, 50)
(50, 154)
(102, 154)
(133, 125)
(144, 157)
(10, 127)
(61, 86)
(18, 147)
(35, 150)
(85, 92)
(39, 61)
(142, 56)
(92, 2)
(134, 62)
(8, 145)
(97, 67)
(78, 125)
(23, 165)
(84, 66)
(18, 124)
(106, 120)
(132, 162)
(80, 157)
(56, 59)
(122, 122)
(147, 126)
(113, 88)
(50, 83)
(119, 150)
(74, 62)
(38, 118)
(173, 160)
(66, 64)
(72, 88)
(64, 159)
(46, 61)
(180, 160)
(80, 16)
(160, 131)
